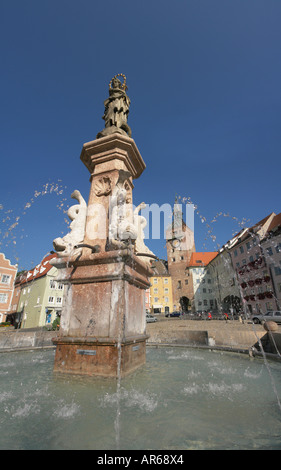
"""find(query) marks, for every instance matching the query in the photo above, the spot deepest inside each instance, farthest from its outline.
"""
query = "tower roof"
(202, 258)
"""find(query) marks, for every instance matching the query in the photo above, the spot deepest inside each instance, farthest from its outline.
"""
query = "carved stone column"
(104, 158)
(103, 324)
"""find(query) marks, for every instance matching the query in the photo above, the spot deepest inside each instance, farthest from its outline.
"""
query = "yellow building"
(161, 292)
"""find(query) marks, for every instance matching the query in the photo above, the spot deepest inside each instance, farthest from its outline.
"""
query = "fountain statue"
(65, 246)
(116, 109)
(104, 262)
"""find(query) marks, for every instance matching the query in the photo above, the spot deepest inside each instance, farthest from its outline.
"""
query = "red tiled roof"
(202, 258)
(39, 271)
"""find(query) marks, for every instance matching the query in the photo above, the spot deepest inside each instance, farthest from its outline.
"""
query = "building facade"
(252, 266)
(203, 284)
(7, 277)
(161, 294)
(41, 296)
(226, 291)
(12, 313)
(161, 291)
(271, 247)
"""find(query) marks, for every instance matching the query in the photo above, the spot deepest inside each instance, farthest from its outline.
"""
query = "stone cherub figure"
(116, 109)
(77, 214)
(125, 224)
(121, 221)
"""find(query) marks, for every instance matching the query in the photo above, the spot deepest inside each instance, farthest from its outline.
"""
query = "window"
(155, 290)
(166, 290)
(51, 300)
(269, 251)
(52, 284)
(277, 271)
(38, 300)
(166, 281)
(59, 300)
(235, 253)
(60, 286)
(181, 258)
(205, 302)
(166, 300)
(5, 279)
(241, 248)
(278, 248)
(156, 299)
(3, 298)
(248, 245)
(173, 259)
(179, 284)
(186, 281)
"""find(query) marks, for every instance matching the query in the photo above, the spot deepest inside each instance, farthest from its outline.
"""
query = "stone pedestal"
(104, 159)
(103, 323)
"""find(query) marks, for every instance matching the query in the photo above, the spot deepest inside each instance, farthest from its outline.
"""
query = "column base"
(99, 356)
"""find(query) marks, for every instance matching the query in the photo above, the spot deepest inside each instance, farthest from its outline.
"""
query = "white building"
(203, 285)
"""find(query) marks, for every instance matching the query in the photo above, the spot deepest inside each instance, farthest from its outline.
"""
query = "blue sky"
(204, 82)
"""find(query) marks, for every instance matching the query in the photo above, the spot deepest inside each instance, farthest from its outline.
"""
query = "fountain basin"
(180, 399)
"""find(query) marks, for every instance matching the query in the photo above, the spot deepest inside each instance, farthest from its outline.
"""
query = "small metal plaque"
(135, 348)
(86, 352)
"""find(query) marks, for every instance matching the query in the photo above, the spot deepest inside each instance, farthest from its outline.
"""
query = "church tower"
(180, 246)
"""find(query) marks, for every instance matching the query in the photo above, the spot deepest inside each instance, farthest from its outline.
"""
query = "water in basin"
(181, 399)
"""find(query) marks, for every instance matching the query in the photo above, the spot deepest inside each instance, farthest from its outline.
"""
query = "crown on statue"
(123, 85)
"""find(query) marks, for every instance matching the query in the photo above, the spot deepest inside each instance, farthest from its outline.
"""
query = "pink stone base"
(99, 357)
(105, 301)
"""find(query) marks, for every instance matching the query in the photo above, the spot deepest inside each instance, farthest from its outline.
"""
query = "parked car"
(274, 315)
(150, 318)
(172, 314)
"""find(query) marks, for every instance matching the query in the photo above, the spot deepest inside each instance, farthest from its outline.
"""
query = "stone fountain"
(103, 261)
